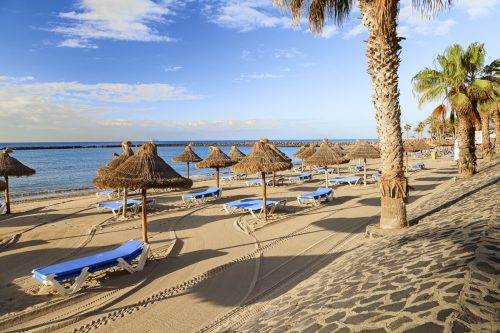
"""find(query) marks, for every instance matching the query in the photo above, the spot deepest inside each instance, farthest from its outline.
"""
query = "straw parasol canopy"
(421, 144)
(9, 166)
(326, 155)
(117, 159)
(409, 147)
(306, 152)
(282, 155)
(143, 170)
(3, 186)
(215, 160)
(187, 156)
(364, 150)
(299, 152)
(262, 159)
(235, 154)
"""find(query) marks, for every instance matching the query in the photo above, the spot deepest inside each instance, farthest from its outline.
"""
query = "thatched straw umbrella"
(306, 153)
(364, 150)
(421, 145)
(262, 159)
(326, 155)
(215, 160)
(117, 160)
(9, 166)
(3, 186)
(235, 154)
(337, 147)
(299, 153)
(144, 170)
(282, 155)
(408, 147)
(187, 156)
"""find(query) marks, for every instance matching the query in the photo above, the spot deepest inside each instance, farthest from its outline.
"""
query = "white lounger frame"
(297, 179)
(231, 210)
(357, 182)
(196, 201)
(50, 280)
(109, 195)
(315, 202)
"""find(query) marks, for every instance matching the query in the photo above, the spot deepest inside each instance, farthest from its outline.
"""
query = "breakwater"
(173, 144)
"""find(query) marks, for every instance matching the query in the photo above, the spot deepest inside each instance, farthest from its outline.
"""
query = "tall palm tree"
(458, 79)
(419, 129)
(380, 17)
(407, 128)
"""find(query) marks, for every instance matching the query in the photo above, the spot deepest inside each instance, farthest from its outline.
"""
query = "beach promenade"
(307, 269)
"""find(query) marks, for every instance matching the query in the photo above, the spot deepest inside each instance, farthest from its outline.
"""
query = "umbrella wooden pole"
(264, 195)
(7, 199)
(187, 171)
(326, 176)
(217, 175)
(274, 178)
(364, 165)
(125, 195)
(338, 169)
(406, 153)
(144, 216)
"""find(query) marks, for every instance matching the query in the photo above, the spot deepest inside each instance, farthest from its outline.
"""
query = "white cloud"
(258, 76)
(477, 8)
(77, 43)
(329, 31)
(307, 64)
(412, 21)
(356, 30)
(172, 68)
(130, 20)
(13, 79)
(246, 15)
(287, 53)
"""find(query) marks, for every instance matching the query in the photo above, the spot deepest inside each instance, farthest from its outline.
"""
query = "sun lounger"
(315, 197)
(322, 170)
(419, 165)
(254, 206)
(269, 181)
(342, 180)
(117, 206)
(234, 177)
(79, 269)
(302, 178)
(3, 207)
(201, 197)
(356, 167)
(108, 193)
(376, 176)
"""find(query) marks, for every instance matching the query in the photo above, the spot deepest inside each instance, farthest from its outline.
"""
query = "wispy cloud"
(258, 76)
(412, 21)
(126, 20)
(287, 53)
(354, 31)
(4, 79)
(246, 15)
(172, 68)
(329, 31)
(477, 8)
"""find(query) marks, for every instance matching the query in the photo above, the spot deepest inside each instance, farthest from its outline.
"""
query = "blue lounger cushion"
(210, 192)
(344, 180)
(319, 193)
(70, 269)
(114, 205)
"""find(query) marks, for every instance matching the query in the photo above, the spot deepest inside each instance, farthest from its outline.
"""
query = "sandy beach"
(205, 263)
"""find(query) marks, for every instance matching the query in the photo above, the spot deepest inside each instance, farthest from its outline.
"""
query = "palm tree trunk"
(383, 61)
(467, 149)
(485, 131)
(497, 133)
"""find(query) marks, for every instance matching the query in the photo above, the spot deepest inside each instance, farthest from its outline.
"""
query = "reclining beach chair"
(300, 179)
(254, 206)
(114, 206)
(80, 268)
(419, 165)
(108, 193)
(345, 180)
(376, 176)
(356, 167)
(315, 197)
(137, 203)
(269, 181)
(322, 170)
(237, 176)
(201, 197)
(3, 207)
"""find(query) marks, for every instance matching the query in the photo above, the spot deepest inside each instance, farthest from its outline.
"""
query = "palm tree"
(485, 112)
(407, 128)
(461, 81)
(380, 17)
(419, 129)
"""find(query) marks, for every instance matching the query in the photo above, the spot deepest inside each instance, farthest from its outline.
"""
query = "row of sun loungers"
(253, 206)
(213, 193)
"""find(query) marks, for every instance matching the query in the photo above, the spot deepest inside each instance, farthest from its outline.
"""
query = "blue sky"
(95, 70)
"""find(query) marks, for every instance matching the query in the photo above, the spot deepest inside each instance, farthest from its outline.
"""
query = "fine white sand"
(205, 263)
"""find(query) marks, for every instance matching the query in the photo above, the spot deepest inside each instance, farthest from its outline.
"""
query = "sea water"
(70, 170)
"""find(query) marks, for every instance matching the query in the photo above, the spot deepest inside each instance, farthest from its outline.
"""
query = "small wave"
(50, 193)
